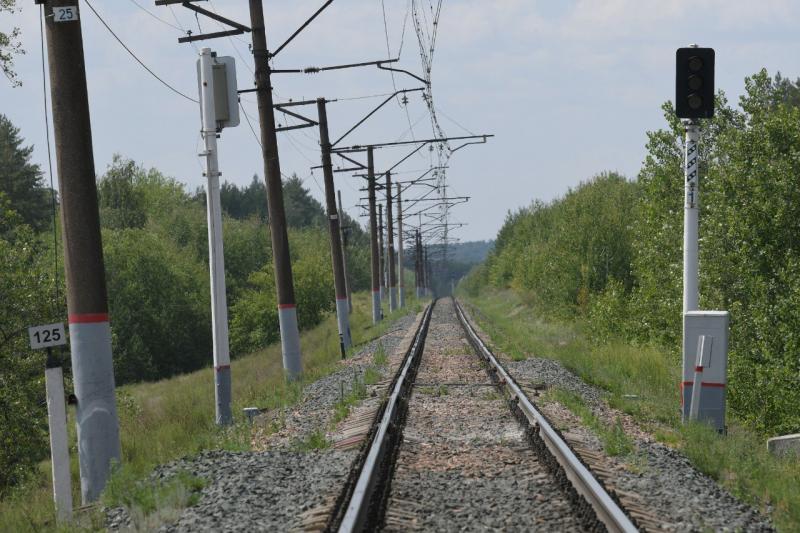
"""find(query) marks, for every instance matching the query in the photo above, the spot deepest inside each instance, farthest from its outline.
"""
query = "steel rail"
(358, 507)
(606, 509)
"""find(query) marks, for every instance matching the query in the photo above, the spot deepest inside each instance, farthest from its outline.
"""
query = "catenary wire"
(140, 6)
(156, 76)
(50, 165)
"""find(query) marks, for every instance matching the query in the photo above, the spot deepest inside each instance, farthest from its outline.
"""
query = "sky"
(569, 88)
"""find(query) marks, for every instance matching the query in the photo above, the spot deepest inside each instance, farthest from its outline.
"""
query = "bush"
(159, 304)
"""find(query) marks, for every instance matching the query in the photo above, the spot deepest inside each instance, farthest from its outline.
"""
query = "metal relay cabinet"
(705, 361)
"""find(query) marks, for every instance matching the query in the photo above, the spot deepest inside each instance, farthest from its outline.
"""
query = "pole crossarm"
(375, 110)
(359, 165)
(301, 28)
(363, 147)
(238, 29)
(457, 148)
(315, 70)
(426, 82)
(308, 123)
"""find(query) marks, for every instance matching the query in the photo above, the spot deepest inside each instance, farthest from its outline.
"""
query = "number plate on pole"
(65, 14)
(47, 336)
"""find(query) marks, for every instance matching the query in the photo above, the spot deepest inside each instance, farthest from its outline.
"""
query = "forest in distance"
(609, 252)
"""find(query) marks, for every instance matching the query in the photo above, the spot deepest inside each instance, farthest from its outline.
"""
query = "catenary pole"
(216, 257)
(340, 286)
(400, 269)
(417, 262)
(382, 247)
(344, 255)
(427, 271)
(287, 309)
(690, 217)
(390, 258)
(373, 240)
(87, 302)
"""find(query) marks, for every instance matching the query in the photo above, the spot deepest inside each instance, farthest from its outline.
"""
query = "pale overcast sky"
(569, 88)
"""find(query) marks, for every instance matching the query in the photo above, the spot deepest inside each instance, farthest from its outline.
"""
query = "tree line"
(610, 251)
(155, 247)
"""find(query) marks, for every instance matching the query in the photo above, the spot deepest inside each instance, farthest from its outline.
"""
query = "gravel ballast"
(269, 489)
(662, 478)
(464, 463)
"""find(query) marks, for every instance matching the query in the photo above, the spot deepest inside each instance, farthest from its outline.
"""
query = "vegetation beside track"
(610, 250)
(165, 420)
(643, 382)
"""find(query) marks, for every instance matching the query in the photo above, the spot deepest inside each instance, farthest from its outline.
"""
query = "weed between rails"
(615, 440)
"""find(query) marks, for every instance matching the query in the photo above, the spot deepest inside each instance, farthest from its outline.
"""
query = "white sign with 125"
(47, 336)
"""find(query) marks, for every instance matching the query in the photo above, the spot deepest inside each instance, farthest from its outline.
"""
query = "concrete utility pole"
(373, 240)
(216, 256)
(87, 303)
(382, 252)
(340, 285)
(392, 274)
(400, 269)
(690, 217)
(287, 309)
(344, 255)
(417, 265)
(426, 271)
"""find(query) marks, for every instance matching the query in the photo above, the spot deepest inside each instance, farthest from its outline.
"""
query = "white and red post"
(216, 258)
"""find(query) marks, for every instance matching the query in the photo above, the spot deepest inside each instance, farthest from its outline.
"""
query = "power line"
(184, 30)
(167, 85)
(389, 55)
(255, 135)
(451, 119)
(137, 4)
(50, 164)
(233, 44)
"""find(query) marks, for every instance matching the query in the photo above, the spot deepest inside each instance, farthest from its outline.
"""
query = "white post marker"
(47, 337)
(216, 258)
(690, 218)
(705, 367)
(704, 344)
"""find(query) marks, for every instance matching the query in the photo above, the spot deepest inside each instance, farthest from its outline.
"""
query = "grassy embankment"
(643, 381)
(172, 418)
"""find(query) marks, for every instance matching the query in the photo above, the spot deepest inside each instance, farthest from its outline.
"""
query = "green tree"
(302, 209)
(27, 293)
(159, 305)
(10, 45)
(21, 180)
(120, 198)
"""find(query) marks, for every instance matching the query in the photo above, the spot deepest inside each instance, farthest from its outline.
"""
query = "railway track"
(445, 451)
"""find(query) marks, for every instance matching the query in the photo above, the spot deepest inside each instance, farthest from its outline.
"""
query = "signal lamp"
(694, 82)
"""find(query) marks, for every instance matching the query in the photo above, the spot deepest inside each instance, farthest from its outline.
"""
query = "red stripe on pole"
(698, 369)
(221, 367)
(88, 318)
(704, 384)
(341, 298)
(286, 306)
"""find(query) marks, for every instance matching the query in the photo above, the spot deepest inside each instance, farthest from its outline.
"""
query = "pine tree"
(21, 180)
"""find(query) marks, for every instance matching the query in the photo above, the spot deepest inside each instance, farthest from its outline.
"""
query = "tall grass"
(172, 418)
(643, 381)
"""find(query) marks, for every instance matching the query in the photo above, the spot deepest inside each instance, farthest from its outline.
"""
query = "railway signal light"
(694, 82)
